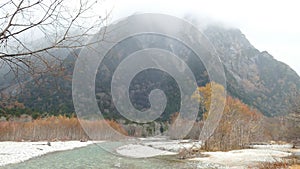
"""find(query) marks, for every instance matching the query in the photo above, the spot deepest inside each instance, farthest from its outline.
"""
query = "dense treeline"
(57, 128)
(10, 108)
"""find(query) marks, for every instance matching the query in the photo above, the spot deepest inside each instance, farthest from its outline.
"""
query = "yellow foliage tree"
(204, 96)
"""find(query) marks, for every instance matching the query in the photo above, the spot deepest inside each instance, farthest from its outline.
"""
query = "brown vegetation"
(57, 128)
(238, 126)
(285, 164)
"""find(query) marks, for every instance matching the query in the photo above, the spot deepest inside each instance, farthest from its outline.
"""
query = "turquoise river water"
(96, 157)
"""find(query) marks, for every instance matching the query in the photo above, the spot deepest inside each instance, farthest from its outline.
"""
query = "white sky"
(269, 25)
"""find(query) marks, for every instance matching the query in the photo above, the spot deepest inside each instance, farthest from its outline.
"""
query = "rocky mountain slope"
(254, 77)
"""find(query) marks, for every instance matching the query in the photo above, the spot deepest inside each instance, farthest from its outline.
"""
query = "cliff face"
(254, 77)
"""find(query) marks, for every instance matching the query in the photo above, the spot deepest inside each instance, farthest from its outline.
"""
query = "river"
(96, 157)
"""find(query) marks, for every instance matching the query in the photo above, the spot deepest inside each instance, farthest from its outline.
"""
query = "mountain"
(254, 77)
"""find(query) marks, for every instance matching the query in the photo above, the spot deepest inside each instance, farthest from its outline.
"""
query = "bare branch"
(53, 21)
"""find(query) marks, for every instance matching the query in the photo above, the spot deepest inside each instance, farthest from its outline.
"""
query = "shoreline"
(16, 152)
(141, 151)
(242, 158)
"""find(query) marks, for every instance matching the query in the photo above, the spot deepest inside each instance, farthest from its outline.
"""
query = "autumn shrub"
(239, 124)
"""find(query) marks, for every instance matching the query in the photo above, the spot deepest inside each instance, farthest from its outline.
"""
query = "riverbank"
(16, 152)
(232, 159)
(243, 158)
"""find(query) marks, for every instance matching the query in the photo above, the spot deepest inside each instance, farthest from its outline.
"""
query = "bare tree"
(293, 122)
(32, 30)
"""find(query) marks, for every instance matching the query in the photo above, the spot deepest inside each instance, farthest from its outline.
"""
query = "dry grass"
(285, 164)
(57, 128)
(296, 166)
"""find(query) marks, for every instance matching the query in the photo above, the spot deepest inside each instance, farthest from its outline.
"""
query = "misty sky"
(273, 26)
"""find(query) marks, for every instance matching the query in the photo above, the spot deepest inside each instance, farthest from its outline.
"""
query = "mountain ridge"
(254, 77)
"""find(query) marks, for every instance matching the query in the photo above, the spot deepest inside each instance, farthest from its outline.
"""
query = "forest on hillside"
(239, 126)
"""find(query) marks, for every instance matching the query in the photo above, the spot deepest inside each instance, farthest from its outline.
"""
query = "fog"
(269, 25)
